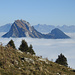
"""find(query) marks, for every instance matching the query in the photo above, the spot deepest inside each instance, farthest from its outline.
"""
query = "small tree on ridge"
(11, 44)
(61, 60)
(31, 49)
(23, 47)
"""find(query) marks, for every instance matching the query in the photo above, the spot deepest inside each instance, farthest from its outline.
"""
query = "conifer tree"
(23, 47)
(61, 60)
(11, 44)
(31, 49)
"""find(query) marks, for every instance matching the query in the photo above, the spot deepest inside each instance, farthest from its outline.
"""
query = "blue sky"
(50, 12)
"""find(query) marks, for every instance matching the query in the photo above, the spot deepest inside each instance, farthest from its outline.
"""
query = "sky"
(50, 12)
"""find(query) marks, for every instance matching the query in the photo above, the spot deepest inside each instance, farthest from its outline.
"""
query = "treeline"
(24, 48)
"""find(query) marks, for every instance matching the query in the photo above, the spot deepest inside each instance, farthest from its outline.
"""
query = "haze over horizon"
(50, 12)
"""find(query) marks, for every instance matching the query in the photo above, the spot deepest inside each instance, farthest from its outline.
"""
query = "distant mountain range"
(47, 28)
(22, 28)
(5, 28)
(43, 28)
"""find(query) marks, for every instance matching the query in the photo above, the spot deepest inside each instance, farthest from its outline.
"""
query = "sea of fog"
(49, 48)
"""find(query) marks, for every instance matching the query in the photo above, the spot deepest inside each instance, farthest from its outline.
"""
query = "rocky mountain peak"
(22, 28)
(23, 24)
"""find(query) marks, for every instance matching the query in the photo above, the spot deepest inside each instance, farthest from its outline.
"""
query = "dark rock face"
(21, 28)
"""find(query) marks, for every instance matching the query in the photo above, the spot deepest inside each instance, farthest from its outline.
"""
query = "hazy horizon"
(40, 24)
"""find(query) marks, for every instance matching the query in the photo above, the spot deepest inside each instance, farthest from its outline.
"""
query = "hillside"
(15, 62)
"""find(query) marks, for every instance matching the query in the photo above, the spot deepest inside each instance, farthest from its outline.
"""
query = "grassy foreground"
(15, 62)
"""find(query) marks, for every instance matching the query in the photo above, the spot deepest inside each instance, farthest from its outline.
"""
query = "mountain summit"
(22, 28)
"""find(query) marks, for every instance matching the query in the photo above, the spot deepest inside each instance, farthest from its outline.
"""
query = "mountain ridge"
(22, 28)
